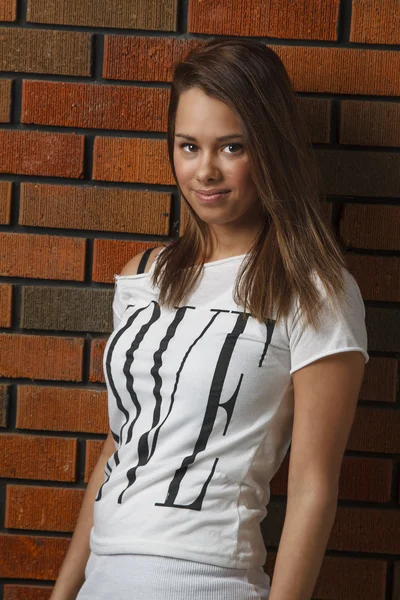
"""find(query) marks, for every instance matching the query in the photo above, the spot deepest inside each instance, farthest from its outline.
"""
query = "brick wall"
(85, 184)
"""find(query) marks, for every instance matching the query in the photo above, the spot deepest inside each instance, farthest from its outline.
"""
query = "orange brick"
(341, 70)
(92, 105)
(380, 379)
(41, 357)
(372, 226)
(8, 10)
(42, 256)
(5, 97)
(143, 58)
(96, 360)
(27, 592)
(5, 202)
(41, 153)
(42, 508)
(109, 256)
(132, 159)
(375, 22)
(377, 276)
(284, 19)
(93, 451)
(45, 51)
(38, 457)
(375, 430)
(5, 305)
(61, 409)
(131, 15)
(31, 556)
(370, 123)
(96, 208)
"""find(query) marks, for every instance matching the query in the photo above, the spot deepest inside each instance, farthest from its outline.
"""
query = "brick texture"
(5, 305)
(8, 10)
(372, 226)
(131, 159)
(96, 361)
(375, 430)
(4, 404)
(370, 123)
(31, 556)
(41, 153)
(127, 15)
(37, 457)
(109, 256)
(377, 276)
(316, 113)
(285, 19)
(66, 309)
(99, 106)
(44, 51)
(61, 409)
(42, 256)
(5, 98)
(28, 356)
(95, 208)
(383, 326)
(380, 379)
(375, 22)
(5, 202)
(93, 450)
(27, 592)
(43, 509)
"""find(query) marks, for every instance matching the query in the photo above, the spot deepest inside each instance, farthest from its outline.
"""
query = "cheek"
(183, 170)
(240, 174)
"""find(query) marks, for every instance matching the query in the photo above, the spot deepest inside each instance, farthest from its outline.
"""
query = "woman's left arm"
(325, 400)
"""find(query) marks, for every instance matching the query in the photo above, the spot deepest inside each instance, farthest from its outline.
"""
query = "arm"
(326, 394)
(72, 574)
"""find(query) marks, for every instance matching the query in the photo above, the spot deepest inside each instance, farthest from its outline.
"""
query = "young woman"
(245, 336)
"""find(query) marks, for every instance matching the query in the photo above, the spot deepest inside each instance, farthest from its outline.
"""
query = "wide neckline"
(207, 264)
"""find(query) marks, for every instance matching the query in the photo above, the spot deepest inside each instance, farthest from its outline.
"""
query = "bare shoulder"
(131, 266)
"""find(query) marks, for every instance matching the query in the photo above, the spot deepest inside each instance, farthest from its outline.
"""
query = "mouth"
(209, 198)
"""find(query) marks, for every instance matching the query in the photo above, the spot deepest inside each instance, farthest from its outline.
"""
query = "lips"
(211, 196)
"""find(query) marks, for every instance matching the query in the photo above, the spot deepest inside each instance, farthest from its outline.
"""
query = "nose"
(208, 168)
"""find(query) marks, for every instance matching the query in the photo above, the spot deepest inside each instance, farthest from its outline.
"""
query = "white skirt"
(150, 577)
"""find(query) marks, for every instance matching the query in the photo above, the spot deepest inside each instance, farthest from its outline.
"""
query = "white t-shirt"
(201, 408)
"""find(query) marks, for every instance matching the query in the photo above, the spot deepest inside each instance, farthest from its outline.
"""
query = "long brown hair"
(295, 240)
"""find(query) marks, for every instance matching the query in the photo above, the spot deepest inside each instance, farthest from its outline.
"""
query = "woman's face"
(204, 162)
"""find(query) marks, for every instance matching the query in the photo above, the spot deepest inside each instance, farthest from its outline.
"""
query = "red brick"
(284, 19)
(377, 276)
(375, 22)
(4, 404)
(131, 15)
(5, 202)
(96, 360)
(345, 578)
(375, 430)
(42, 508)
(5, 97)
(92, 105)
(143, 58)
(41, 357)
(42, 256)
(362, 479)
(41, 153)
(31, 556)
(370, 123)
(96, 208)
(5, 305)
(62, 409)
(380, 379)
(341, 70)
(109, 256)
(365, 530)
(8, 10)
(132, 160)
(372, 226)
(45, 51)
(38, 457)
(93, 451)
(27, 592)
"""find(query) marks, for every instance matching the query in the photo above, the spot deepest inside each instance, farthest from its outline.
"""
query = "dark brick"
(5, 96)
(372, 226)
(383, 325)
(4, 404)
(5, 202)
(370, 123)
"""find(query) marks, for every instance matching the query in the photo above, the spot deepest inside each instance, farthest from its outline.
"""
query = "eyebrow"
(223, 138)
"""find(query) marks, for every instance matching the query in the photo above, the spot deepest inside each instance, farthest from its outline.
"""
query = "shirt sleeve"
(336, 333)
